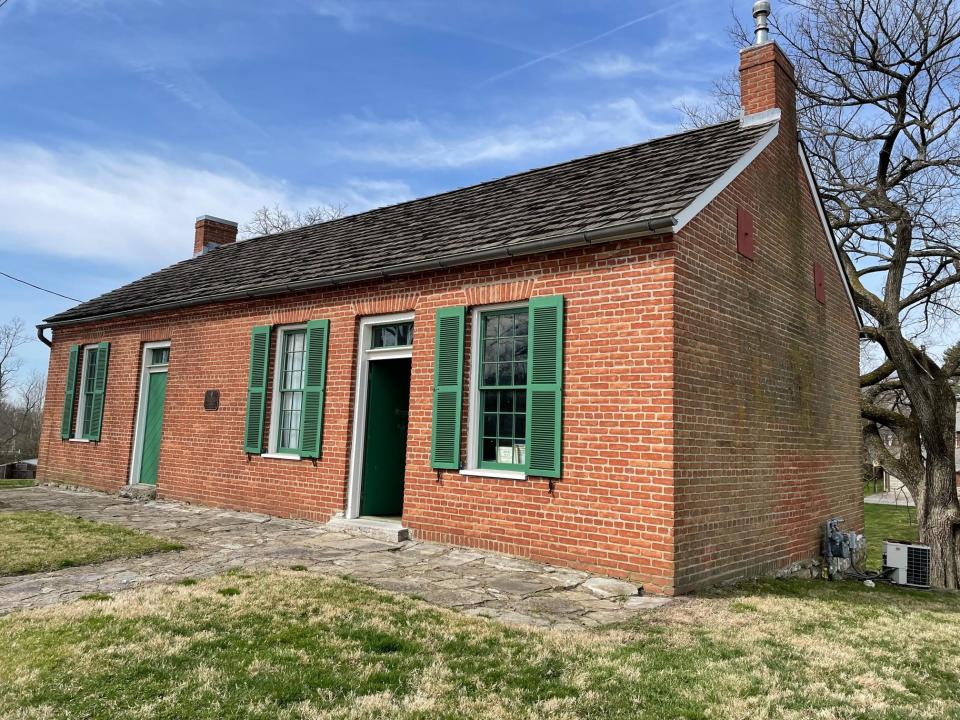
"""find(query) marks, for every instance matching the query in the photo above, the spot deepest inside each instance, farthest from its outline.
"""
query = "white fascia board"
(721, 183)
(828, 231)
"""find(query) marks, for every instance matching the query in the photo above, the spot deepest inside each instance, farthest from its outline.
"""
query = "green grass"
(886, 522)
(293, 645)
(32, 541)
(14, 483)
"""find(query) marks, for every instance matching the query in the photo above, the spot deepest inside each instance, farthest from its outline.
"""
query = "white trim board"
(136, 457)
(721, 183)
(366, 355)
(828, 231)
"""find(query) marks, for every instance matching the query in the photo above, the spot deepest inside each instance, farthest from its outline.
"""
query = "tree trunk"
(939, 525)
(933, 408)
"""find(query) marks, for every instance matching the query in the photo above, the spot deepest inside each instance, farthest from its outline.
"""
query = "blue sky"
(122, 121)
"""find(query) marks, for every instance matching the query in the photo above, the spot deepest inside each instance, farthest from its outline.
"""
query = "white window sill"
(501, 474)
(281, 456)
(80, 440)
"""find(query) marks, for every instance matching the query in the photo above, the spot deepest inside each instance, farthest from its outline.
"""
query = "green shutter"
(257, 388)
(99, 389)
(314, 388)
(447, 388)
(66, 422)
(545, 386)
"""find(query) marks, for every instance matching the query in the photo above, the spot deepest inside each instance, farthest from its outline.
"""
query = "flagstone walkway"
(508, 589)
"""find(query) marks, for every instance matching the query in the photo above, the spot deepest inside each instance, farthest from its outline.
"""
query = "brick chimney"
(767, 81)
(212, 232)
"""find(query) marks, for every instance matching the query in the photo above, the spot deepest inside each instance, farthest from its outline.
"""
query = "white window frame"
(473, 397)
(146, 370)
(366, 355)
(273, 446)
(82, 402)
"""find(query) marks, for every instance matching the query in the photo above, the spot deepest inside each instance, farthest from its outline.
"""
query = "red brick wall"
(766, 415)
(610, 512)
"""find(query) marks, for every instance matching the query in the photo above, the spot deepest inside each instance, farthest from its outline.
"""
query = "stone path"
(511, 590)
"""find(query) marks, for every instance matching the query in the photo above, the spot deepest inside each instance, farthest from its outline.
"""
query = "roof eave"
(643, 228)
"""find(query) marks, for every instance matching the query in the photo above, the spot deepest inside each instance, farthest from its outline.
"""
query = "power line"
(2, 3)
(37, 287)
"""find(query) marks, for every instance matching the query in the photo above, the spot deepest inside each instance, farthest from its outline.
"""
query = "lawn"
(35, 541)
(293, 645)
(886, 522)
(15, 483)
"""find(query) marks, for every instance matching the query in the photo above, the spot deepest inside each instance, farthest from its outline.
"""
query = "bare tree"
(879, 106)
(268, 220)
(12, 337)
(21, 403)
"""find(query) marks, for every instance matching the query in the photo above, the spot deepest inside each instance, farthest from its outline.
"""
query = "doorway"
(381, 415)
(149, 425)
(385, 438)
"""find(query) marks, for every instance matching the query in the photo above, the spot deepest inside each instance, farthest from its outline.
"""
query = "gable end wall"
(766, 385)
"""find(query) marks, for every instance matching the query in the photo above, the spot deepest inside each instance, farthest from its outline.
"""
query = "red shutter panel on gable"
(819, 290)
(744, 233)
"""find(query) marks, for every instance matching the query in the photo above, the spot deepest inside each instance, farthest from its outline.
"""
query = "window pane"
(490, 325)
(519, 373)
(490, 350)
(506, 401)
(489, 453)
(520, 330)
(291, 377)
(506, 350)
(489, 402)
(506, 325)
(490, 425)
(506, 426)
(520, 427)
(505, 374)
(91, 370)
(159, 356)
(392, 335)
(489, 373)
(290, 404)
(520, 348)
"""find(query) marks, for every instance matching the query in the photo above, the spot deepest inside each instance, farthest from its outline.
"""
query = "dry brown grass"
(33, 541)
(289, 645)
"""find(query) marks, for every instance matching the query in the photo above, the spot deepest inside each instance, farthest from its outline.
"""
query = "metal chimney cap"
(761, 11)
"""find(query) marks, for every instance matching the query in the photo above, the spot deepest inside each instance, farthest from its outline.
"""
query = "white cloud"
(616, 65)
(137, 210)
(411, 143)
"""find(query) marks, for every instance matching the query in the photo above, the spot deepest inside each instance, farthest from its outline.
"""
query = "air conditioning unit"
(909, 563)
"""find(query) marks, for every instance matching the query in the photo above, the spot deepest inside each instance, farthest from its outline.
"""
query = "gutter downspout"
(42, 337)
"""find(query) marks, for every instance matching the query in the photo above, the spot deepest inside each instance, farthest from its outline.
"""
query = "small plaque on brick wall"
(211, 400)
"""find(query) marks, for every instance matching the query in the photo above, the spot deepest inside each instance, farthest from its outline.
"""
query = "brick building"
(641, 363)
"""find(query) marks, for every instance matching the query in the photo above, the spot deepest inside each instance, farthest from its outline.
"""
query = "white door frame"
(365, 356)
(145, 372)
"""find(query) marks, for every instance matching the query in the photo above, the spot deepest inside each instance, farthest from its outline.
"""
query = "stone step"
(138, 491)
(384, 530)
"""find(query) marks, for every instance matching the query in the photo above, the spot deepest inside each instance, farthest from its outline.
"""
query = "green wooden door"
(153, 427)
(385, 439)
